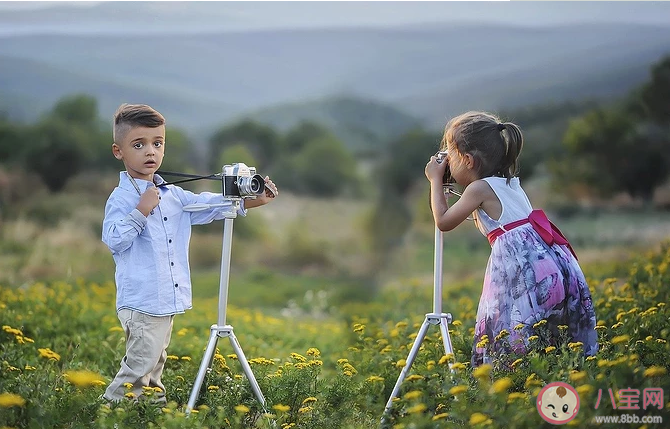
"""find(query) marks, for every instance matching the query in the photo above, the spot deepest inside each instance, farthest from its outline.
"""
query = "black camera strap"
(191, 177)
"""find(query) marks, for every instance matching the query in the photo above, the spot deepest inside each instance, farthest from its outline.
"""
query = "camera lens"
(249, 186)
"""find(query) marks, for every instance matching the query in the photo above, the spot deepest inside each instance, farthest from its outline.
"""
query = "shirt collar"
(125, 183)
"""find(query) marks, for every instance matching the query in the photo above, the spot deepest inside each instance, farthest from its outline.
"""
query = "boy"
(148, 233)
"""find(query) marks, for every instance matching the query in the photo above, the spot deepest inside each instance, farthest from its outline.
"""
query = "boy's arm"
(206, 216)
(121, 225)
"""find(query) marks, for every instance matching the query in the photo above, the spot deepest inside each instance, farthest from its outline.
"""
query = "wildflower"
(540, 323)
(374, 378)
(620, 339)
(600, 328)
(649, 338)
(483, 343)
(186, 358)
(11, 400)
(128, 385)
(584, 389)
(400, 363)
(516, 395)
(314, 352)
(654, 371)
(116, 329)
(12, 331)
(590, 358)
(49, 354)
(281, 408)
(457, 390)
(500, 386)
(414, 377)
(549, 349)
(482, 372)
(242, 409)
(401, 325)
(578, 376)
(519, 327)
(213, 388)
(504, 333)
(308, 400)
(437, 417)
(303, 410)
(446, 358)
(457, 323)
(533, 338)
(418, 408)
(83, 378)
(358, 327)
(458, 365)
(477, 418)
(414, 394)
(516, 362)
(182, 332)
(562, 327)
(172, 357)
(130, 395)
(617, 325)
(575, 346)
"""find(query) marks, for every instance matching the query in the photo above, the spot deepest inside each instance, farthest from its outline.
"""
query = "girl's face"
(461, 166)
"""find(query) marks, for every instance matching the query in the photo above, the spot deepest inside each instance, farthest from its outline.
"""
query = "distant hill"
(202, 81)
(361, 124)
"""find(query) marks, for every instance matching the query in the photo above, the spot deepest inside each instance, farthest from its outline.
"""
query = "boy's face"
(141, 149)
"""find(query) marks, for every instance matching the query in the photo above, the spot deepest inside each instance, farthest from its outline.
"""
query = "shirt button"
(172, 263)
(170, 241)
(176, 285)
(165, 218)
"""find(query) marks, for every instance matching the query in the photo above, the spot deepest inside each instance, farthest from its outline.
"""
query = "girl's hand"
(435, 170)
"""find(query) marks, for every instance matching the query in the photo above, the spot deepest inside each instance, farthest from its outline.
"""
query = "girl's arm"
(447, 218)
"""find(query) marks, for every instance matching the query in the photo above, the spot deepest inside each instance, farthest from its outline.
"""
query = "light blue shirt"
(151, 253)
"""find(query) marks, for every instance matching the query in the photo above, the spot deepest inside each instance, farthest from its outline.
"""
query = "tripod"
(221, 329)
(437, 317)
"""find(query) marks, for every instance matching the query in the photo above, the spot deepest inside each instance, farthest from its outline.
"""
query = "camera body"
(447, 179)
(241, 181)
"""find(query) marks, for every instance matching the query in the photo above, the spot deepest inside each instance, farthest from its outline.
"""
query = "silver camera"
(241, 181)
(447, 179)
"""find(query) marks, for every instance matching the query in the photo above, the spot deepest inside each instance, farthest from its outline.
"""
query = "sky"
(228, 15)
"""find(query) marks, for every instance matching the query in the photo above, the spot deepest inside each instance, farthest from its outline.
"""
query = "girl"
(532, 273)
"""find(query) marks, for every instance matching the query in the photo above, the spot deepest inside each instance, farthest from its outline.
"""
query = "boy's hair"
(128, 116)
(494, 145)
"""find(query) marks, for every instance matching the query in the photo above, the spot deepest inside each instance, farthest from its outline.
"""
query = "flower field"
(60, 345)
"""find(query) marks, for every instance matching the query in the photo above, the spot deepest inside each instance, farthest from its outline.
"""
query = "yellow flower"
(516, 395)
(540, 323)
(303, 410)
(128, 385)
(11, 400)
(504, 333)
(242, 409)
(308, 400)
(457, 390)
(414, 377)
(298, 357)
(500, 386)
(519, 327)
(400, 363)
(584, 389)
(654, 371)
(116, 329)
(575, 346)
(578, 376)
(440, 416)
(83, 378)
(130, 395)
(620, 339)
(477, 418)
(281, 408)
(446, 358)
(549, 349)
(483, 371)
(374, 378)
(562, 327)
(172, 357)
(458, 365)
(314, 352)
(414, 394)
(516, 362)
(418, 408)
(186, 358)
(358, 327)
(49, 354)
(213, 388)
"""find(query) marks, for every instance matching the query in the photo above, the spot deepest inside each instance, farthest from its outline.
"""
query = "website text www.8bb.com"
(628, 418)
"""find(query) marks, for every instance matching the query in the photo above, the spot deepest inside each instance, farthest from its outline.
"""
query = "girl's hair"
(494, 145)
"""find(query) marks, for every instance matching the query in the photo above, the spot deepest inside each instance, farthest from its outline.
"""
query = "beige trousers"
(147, 339)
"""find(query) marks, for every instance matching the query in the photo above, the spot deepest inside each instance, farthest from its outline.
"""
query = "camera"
(241, 181)
(447, 179)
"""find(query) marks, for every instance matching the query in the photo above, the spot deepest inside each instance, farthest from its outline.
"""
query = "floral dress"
(527, 281)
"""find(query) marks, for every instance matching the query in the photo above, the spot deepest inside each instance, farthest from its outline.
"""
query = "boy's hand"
(271, 192)
(149, 200)
(435, 170)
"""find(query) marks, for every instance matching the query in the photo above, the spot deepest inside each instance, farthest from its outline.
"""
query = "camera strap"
(191, 177)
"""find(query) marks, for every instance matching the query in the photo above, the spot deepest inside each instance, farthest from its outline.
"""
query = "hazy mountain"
(430, 72)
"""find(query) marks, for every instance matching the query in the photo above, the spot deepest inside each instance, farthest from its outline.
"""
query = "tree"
(612, 151)
(656, 93)
(262, 141)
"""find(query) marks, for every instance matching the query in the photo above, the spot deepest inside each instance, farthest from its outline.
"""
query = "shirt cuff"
(137, 220)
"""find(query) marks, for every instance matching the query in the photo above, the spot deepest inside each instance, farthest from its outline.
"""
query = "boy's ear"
(469, 161)
(116, 151)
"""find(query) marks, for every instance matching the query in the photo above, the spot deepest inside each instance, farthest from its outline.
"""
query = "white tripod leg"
(204, 367)
(246, 367)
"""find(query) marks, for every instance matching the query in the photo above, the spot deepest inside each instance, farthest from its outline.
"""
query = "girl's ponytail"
(513, 141)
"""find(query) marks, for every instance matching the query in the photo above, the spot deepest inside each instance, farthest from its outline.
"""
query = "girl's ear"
(469, 161)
